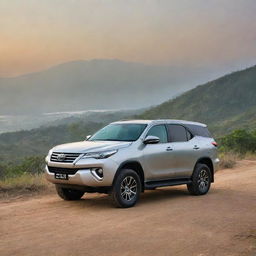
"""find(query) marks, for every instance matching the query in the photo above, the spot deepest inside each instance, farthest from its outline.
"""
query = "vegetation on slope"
(224, 104)
(239, 141)
(17, 145)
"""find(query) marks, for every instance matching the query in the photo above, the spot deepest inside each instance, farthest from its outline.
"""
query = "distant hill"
(224, 104)
(96, 84)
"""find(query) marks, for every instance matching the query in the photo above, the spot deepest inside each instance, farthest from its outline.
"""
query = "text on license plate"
(61, 176)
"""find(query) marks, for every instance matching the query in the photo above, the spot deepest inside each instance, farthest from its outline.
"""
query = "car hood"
(90, 146)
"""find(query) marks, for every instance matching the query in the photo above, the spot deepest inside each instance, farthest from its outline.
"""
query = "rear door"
(183, 150)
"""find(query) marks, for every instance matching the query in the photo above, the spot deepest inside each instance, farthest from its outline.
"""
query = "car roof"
(160, 121)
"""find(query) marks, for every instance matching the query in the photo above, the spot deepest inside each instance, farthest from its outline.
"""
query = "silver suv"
(127, 157)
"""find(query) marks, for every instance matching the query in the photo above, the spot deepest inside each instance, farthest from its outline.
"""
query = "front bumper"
(216, 163)
(84, 175)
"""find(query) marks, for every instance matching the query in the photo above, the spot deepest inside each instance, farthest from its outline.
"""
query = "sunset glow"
(38, 34)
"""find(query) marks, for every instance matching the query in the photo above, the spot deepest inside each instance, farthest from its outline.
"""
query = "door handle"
(169, 149)
(195, 147)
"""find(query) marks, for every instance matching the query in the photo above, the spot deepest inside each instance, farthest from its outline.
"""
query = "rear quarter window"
(198, 130)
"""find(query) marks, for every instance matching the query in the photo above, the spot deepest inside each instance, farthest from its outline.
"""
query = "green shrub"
(30, 165)
(239, 141)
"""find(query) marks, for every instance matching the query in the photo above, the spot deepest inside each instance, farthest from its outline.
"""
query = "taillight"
(214, 143)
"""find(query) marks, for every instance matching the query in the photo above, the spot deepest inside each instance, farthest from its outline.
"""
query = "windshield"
(119, 132)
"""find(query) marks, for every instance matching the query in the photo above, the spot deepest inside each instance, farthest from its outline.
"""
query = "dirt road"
(167, 221)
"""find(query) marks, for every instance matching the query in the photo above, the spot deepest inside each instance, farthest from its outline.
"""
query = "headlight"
(48, 156)
(100, 155)
(50, 152)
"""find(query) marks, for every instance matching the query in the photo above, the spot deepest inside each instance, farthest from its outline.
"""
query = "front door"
(158, 160)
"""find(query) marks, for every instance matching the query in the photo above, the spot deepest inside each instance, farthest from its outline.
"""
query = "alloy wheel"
(128, 188)
(203, 180)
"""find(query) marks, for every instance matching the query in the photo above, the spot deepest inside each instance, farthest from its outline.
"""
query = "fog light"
(97, 173)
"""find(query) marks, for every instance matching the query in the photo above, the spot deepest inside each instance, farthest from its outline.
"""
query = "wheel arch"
(135, 166)
(209, 163)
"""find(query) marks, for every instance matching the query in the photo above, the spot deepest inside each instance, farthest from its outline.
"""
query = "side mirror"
(151, 140)
(88, 137)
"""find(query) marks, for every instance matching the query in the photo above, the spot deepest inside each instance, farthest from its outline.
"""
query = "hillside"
(95, 84)
(224, 104)
(15, 146)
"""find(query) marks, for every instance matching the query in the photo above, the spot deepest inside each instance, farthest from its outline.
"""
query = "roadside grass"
(25, 184)
(228, 160)
(250, 156)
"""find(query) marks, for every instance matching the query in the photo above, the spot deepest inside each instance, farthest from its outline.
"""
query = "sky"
(36, 34)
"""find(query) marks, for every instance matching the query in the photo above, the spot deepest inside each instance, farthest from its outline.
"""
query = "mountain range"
(96, 84)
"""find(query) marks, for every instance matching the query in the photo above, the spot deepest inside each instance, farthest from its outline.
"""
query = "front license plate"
(61, 176)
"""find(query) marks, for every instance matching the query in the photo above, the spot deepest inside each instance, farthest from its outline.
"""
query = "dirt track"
(167, 221)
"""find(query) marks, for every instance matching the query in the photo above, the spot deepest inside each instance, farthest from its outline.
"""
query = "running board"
(165, 183)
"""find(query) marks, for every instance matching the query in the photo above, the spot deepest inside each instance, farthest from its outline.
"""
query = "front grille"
(71, 171)
(64, 157)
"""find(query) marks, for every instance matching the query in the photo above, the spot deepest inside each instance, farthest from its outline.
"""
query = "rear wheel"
(201, 180)
(126, 189)
(68, 194)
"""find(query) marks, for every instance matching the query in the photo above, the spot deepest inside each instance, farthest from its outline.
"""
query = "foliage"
(30, 165)
(24, 152)
(15, 146)
(239, 141)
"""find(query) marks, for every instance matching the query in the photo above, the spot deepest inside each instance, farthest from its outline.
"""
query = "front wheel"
(126, 189)
(68, 194)
(201, 180)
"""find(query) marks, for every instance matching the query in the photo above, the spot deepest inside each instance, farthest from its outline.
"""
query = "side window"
(189, 135)
(199, 130)
(160, 132)
(176, 133)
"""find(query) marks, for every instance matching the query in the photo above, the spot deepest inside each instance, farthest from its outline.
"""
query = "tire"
(201, 180)
(68, 194)
(126, 189)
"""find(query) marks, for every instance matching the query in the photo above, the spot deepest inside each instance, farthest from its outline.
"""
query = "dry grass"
(250, 156)
(25, 184)
(228, 160)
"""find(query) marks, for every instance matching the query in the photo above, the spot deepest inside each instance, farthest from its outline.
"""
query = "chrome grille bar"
(64, 157)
